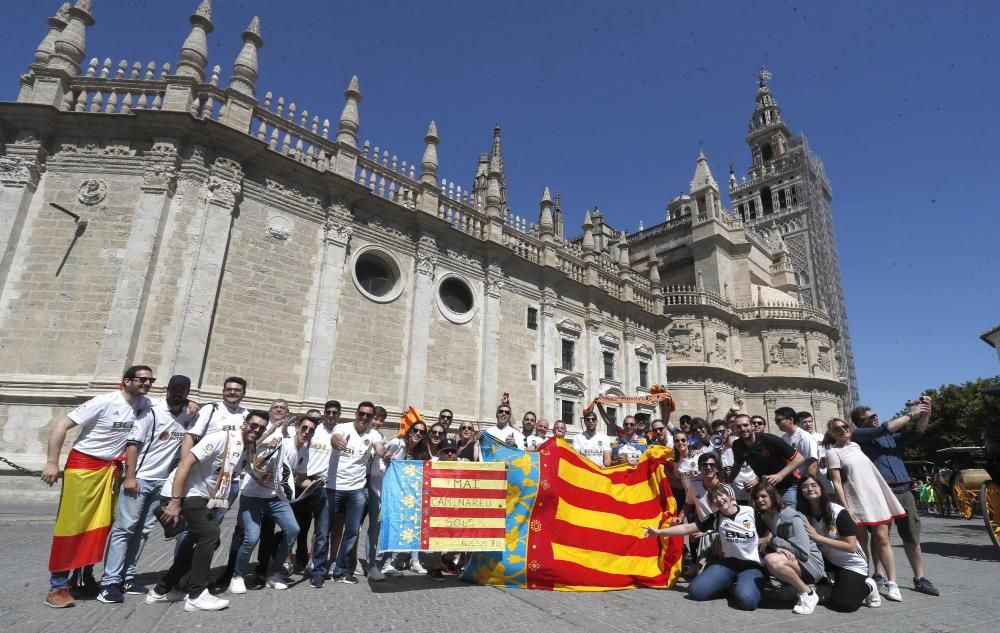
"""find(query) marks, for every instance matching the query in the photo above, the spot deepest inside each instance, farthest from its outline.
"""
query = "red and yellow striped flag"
(86, 510)
(410, 416)
(585, 530)
(465, 506)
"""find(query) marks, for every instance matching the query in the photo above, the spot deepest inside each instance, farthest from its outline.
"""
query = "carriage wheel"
(963, 500)
(989, 496)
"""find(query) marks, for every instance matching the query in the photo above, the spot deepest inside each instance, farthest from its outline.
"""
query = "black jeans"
(304, 515)
(849, 590)
(193, 561)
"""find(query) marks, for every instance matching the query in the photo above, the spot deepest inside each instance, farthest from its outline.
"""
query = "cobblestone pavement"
(959, 557)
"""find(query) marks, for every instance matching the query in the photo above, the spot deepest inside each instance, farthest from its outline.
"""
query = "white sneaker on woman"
(807, 603)
(892, 591)
(205, 602)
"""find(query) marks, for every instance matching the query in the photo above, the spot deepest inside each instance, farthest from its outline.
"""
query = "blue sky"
(609, 103)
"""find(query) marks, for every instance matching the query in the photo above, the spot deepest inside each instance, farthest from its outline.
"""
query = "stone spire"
(766, 111)
(194, 50)
(347, 130)
(623, 261)
(545, 223)
(429, 163)
(557, 218)
(732, 174)
(57, 23)
(493, 199)
(70, 46)
(654, 272)
(244, 78)
(588, 235)
(702, 175)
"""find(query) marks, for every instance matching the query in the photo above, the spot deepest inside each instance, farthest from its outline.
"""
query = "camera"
(913, 403)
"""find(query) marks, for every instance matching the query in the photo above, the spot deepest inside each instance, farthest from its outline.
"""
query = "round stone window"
(456, 299)
(376, 274)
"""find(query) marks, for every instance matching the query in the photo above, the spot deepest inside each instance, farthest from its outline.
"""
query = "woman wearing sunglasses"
(861, 489)
(435, 438)
(468, 446)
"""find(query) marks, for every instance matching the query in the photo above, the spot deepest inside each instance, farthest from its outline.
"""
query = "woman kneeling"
(739, 571)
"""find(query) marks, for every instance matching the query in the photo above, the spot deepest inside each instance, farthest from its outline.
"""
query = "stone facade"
(154, 216)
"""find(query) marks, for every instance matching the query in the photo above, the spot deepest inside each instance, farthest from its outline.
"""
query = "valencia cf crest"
(164, 436)
(747, 523)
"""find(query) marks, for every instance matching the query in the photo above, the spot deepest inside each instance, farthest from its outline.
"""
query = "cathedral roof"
(702, 175)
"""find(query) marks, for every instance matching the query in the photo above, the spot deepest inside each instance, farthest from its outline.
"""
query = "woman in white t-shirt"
(739, 571)
(834, 531)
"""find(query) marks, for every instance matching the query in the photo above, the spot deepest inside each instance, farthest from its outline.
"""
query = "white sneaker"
(375, 574)
(874, 599)
(237, 585)
(807, 603)
(277, 581)
(205, 602)
(892, 591)
(416, 567)
(171, 596)
(389, 569)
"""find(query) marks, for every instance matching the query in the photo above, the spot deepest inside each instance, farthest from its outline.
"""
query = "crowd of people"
(804, 508)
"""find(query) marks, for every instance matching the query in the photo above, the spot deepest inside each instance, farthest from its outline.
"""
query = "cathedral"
(172, 214)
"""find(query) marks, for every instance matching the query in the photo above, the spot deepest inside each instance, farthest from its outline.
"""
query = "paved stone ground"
(959, 557)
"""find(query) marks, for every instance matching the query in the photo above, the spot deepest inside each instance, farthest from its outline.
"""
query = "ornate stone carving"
(159, 176)
(548, 303)
(164, 147)
(15, 169)
(720, 353)
(685, 341)
(118, 149)
(823, 360)
(223, 191)
(385, 229)
(92, 191)
(279, 227)
(27, 137)
(494, 280)
(292, 192)
(336, 230)
(464, 257)
(229, 164)
(787, 352)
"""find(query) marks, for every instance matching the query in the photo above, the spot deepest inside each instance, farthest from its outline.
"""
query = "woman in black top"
(468, 447)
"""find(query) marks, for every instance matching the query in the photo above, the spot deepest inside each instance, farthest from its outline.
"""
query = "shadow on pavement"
(967, 551)
(402, 584)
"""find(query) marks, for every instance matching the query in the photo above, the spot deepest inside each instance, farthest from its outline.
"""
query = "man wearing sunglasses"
(354, 445)
(320, 452)
(883, 443)
(105, 423)
(659, 434)
(196, 487)
(503, 430)
(593, 445)
(445, 418)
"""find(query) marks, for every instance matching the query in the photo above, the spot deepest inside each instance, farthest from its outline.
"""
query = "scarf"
(232, 453)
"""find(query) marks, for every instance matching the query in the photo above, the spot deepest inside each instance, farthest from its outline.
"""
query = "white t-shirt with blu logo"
(349, 467)
(105, 422)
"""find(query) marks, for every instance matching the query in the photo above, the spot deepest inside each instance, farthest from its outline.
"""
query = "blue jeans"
(252, 510)
(321, 531)
(352, 504)
(374, 513)
(789, 496)
(134, 520)
(744, 579)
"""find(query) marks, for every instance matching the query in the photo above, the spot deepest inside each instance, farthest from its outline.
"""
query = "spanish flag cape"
(86, 510)
(572, 526)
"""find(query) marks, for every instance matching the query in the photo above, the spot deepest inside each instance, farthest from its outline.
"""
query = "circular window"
(456, 299)
(376, 274)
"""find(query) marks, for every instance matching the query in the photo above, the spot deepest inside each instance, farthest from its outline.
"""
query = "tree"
(959, 415)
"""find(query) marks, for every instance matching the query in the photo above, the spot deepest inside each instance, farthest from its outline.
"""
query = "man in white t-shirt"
(542, 429)
(798, 439)
(198, 485)
(320, 453)
(355, 444)
(277, 462)
(154, 445)
(503, 430)
(531, 441)
(224, 415)
(373, 510)
(90, 473)
(805, 420)
(593, 445)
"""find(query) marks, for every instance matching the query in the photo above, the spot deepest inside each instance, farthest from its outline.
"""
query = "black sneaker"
(349, 579)
(111, 594)
(135, 589)
(924, 585)
(316, 582)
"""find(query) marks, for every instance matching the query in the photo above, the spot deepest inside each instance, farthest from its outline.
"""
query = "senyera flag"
(441, 506)
(572, 526)
(410, 416)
